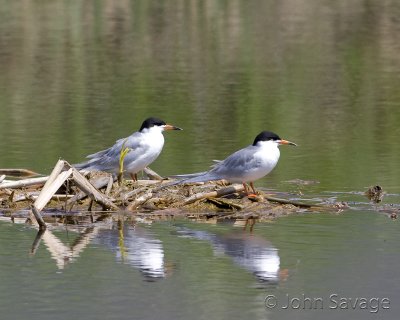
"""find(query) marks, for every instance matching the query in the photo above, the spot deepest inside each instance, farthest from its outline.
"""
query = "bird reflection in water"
(137, 247)
(252, 253)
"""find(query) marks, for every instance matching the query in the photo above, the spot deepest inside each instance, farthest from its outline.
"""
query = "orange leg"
(133, 176)
(252, 187)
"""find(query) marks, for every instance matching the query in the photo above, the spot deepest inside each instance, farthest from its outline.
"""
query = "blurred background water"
(77, 75)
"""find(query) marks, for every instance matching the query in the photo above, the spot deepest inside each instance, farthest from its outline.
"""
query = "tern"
(245, 165)
(143, 147)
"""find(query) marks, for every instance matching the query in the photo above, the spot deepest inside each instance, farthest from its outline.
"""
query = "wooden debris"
(91, 191)
(375, 194)
(152, 174)
(18, 172)
(214, 194)
(146, 198)
(51, 188)
(23, 183)
(139, 201)
(38, 218)
(97, 182)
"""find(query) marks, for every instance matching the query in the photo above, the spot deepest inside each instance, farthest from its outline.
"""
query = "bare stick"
(50, 189)
(140, 200)
(2, 178)
(97, 183)
(23, 183)
(38, 217)
(18, 172)
(109, 186)
(34, 195)
(214, 194)
(295, 203)
(152, 174)
(96, 195)
(129, 194)
(58, 168)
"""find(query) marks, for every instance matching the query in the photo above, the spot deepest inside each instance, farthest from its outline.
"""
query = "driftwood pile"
(68, 192)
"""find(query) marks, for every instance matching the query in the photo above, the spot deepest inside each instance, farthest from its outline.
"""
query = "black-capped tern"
(144, 146)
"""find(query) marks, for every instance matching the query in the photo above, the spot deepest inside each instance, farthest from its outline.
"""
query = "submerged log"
(18, 172)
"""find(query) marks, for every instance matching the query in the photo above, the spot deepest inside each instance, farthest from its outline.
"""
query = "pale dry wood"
(34, 195)
(23, 183)
(109, 186)
(147, 182)
(126, 196)
(152, 174)
(91, 191)
(214, 194)
(2, 178)
(139, 201)
(58, 168)
(50, 189)
(97, 183)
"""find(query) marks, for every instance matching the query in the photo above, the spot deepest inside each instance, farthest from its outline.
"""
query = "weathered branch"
(139, 201)
(18, 172)
(23, 183)
(214, 194)
(85, 186)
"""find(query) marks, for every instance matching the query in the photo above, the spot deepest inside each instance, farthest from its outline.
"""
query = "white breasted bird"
(143, 147)
(245, 165)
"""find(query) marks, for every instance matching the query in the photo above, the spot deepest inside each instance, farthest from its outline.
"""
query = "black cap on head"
(265, 136)
(151, 122)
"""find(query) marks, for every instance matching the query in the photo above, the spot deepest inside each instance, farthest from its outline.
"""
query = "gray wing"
(108, 159)
(232, 168)
(236, 164)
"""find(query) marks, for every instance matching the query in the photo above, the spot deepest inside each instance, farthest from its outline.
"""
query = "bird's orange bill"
(171, 127)
(287, 142)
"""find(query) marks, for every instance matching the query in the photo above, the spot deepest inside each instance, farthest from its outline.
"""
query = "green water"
(77, 75)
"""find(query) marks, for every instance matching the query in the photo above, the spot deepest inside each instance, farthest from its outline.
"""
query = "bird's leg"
(246, 189)
(254, 193)
(133, 176)
(252, 187)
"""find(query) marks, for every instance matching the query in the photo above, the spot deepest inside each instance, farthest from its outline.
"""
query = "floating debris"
(67, 189)
(375, 194)
(18, 172)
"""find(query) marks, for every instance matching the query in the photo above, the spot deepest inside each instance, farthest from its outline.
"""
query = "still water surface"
(76, 76)
(181, 270)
